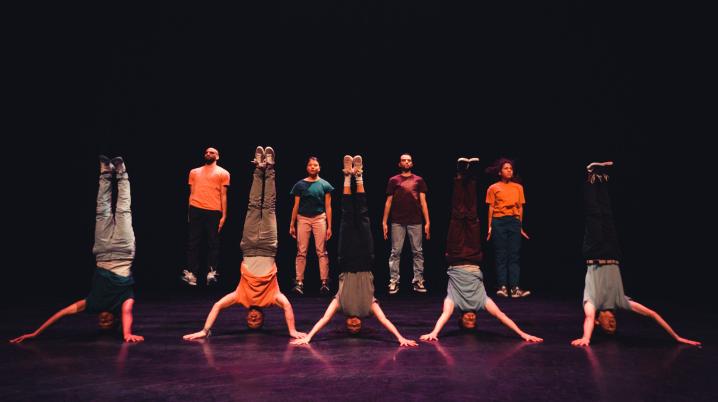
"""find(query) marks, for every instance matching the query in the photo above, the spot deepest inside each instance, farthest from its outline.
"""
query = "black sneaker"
(119, 165)
(298, 288)
(324, 289)
(105, 165)
(516, 292)
(419, 286)
(503, 292)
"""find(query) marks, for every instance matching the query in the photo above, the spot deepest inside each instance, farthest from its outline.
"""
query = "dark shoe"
(516, 292)
(298, 287)
(419, 286)
(503, 292)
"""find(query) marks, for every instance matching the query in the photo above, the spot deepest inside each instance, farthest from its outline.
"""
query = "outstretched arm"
(443, 318)
(127, 322)
(494, 310)
(331, 310)
(73, 308)
(588, 324)
(643, 310)
(283, 302)
(386, 323)
(227, 301)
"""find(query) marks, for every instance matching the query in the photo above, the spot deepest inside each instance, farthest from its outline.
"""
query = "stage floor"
(73, 361)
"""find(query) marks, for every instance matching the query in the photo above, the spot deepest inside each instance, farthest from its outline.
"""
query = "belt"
(601, 262)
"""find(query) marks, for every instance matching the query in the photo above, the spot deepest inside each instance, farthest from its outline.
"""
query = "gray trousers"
(114, 237)
(259, 237)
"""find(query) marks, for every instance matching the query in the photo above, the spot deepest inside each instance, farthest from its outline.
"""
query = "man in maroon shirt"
(406, 203)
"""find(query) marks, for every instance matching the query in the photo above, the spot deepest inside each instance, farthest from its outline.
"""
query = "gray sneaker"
(259, 157)
(269, 156)
(393, 287)
(419, 286)
(105, 165)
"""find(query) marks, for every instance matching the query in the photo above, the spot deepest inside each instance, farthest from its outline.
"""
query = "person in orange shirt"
(506, 211)
(206, 216)
(258, 287)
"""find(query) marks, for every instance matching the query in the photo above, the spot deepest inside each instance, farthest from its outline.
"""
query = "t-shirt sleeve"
(422, 187)
(190, 180)
(296, 189)
(328, 188)
(490, 195)
(390, 187)
(225, 179)
(522, 200)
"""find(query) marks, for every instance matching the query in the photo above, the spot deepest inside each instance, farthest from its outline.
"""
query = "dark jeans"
(600, 240)
(506, 235)
(463, 243)
(356, 244)
(203, 222)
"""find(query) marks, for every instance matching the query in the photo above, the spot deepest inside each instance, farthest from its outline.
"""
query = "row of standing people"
(405, 217)
(114, 249)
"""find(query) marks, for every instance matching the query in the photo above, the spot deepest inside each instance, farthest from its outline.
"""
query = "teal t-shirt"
(311, 196)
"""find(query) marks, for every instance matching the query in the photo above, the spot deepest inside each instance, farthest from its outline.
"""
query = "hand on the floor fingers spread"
(531, 338)
(301, 341)
(196, 335)
(407, 342)
(581, 342)
(22, 338)
(297, 334)
(429, 337)
(688, 341)
(134, 338)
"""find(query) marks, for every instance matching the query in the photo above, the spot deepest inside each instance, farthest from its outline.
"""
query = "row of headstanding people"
(405, 218)
(111, 292)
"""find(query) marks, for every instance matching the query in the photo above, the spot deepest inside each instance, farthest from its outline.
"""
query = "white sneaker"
(393, 287)
(212, 276)
(189, 277)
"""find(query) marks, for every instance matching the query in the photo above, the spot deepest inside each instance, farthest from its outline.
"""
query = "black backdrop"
(554, 86)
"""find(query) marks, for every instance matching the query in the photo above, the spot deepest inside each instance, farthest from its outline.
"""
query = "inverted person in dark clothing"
(464, 256)
(355, 297)
(603, 290)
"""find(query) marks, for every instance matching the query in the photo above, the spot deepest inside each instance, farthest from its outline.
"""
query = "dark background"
(553, 85)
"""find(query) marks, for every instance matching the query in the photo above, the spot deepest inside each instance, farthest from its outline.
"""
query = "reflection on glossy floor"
(73, 361)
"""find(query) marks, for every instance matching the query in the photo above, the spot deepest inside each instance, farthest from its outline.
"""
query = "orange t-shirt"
(258, 291)
(207, 182)
(506, 198)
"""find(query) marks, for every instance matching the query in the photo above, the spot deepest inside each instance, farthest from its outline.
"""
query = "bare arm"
(425, 212)
(443, 318)
(385, 218)
(331, 310)
(227, 301)
(73, 308)
(224, 208)
(643, 310)
(127, 322)
(494, 310)
(491, 214)
(328, 208)
(283, 302)
(386, 323)
(293, 221)
(588, 324)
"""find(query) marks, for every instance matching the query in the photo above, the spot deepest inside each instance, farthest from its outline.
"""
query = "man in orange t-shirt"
(207, 214)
